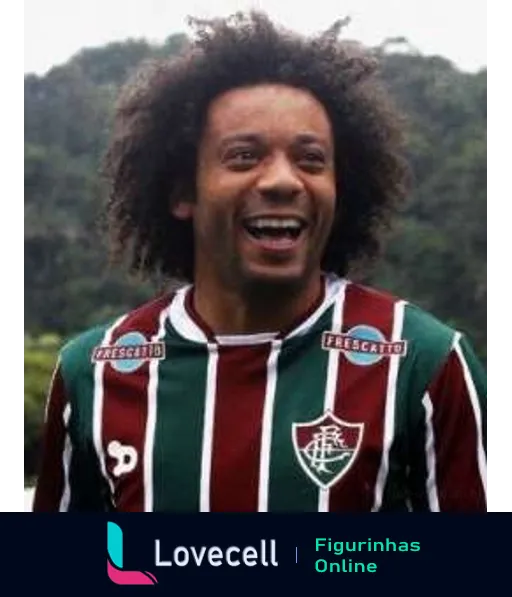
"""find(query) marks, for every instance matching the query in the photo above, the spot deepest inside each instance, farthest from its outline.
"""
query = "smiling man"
(260, 168)
(266, 194)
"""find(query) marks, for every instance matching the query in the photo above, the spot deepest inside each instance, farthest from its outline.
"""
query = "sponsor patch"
(129, 352)
(363, 345)
(327, 447)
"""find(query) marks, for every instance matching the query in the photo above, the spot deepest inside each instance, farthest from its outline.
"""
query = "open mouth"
(274, 228)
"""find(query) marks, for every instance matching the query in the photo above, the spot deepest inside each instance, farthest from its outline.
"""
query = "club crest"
(327, 447)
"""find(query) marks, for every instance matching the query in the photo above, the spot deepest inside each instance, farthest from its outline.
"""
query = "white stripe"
(66, 460)
(97, 416)
(246, 339)
(430, 455)
(480, 452)
(332, 378)
(333, 287)
(66, 452)
(206, 458)
(266, 432)
(181, 321)
(389, 415)
(149, 438)
(50, 391)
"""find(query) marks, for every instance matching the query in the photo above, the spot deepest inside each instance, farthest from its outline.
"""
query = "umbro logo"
(126, 457)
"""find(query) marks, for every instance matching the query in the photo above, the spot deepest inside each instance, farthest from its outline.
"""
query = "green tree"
(40, 356)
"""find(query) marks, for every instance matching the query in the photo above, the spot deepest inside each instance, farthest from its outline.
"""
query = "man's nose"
(280, 180)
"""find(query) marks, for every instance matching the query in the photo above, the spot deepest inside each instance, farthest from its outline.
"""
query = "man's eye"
(313, 156)
(312, 160)
(241, 158)
(245, 155)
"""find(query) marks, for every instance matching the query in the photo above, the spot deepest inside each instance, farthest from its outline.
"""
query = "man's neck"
(227, 312)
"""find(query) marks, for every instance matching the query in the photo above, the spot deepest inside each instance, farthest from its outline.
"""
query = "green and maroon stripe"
(361, 397)
(50, 487)
(299, 398)
(457, 438)
(125, 409)
(178, 437)
(237, 427)
(124, 421)
(186, 403)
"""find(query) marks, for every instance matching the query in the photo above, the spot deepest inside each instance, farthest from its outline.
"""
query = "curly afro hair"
(151, 159)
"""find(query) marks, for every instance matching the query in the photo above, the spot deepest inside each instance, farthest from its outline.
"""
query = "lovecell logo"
(115, 561)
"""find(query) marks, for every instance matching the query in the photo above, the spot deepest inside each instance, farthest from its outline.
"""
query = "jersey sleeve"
(68, 478)
(448, 470)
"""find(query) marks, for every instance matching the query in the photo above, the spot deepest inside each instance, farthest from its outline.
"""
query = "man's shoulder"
(428, 339)
(376, 298)
(77, 353)
(422, 329)
(79, 348)
(423, 325)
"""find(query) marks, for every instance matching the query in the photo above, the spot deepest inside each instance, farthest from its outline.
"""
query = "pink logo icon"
(115, 561)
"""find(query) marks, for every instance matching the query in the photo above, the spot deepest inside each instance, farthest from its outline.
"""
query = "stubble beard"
(256, 291)
(269, 291)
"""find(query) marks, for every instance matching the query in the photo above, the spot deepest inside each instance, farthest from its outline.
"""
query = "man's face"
(265, 188)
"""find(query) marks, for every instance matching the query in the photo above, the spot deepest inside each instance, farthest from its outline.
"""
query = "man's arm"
(448, 469)
(68, 478)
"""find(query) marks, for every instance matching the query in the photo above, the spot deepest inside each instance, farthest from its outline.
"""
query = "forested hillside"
(437, 257)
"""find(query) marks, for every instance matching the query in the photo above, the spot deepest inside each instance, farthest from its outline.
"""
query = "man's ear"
(182, 210)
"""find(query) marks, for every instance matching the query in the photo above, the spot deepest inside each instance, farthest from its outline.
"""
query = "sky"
(57, 29)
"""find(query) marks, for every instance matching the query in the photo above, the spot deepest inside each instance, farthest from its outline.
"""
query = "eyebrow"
(300, 139)
(240, 137)
(306, 138)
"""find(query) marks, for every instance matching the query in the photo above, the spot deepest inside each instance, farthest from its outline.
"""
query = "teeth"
(293, 223)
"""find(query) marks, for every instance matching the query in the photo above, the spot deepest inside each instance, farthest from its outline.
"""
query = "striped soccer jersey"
(367, 404)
